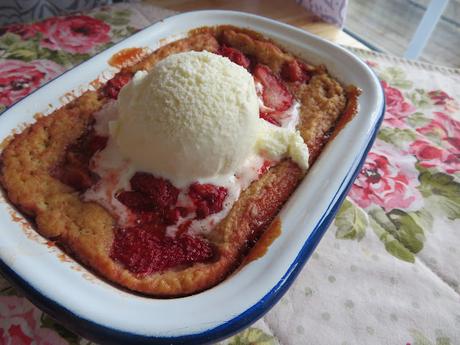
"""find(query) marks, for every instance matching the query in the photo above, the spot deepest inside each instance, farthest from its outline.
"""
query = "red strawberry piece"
(74, 169)
(182, 229)
(234, 55)
(202, 209)
(96, 143)
(207, 198)
(135, 201)
(128, 247)
(269, 117)
(196, 249)
(161, 191)
(148, 217)
(113, 86)
(275, 94)
(183, 211)
(143, 252)
(294, 71)
(171, 216)
(264, 168)
(77, 176)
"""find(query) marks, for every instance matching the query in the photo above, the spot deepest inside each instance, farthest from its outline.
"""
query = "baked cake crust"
(86, 229)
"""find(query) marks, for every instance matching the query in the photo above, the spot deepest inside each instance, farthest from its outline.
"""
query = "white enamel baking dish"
(107, 314)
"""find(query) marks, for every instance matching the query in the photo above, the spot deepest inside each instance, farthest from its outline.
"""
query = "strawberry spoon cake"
(165, 177)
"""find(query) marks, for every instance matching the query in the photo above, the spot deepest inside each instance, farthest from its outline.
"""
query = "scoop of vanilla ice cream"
(195, 115)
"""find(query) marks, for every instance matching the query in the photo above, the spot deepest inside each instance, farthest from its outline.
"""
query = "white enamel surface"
(97, 301)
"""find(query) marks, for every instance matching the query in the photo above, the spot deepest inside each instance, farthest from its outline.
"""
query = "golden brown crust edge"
(86, 228)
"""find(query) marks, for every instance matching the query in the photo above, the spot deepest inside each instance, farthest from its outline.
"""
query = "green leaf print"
(397, 137)
(443, 341)
(436, 138)
(421, 339)
(104, 16)
(8, 39)
(401, 232)
(418, 119)
(396, 77)
(419, 98)
(122, 13)
(441, 192)
(121, 32)
(47, 322)
(14, 47)
(351, 222)
(423, 218)
(28, 50)
(253, 336)
(24, 54)
(392, 245)
(408, 232)
(131, 30)
(118, 32)
(117, 21)
(66, 59)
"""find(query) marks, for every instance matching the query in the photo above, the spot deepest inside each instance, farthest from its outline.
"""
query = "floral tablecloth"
(388, 269)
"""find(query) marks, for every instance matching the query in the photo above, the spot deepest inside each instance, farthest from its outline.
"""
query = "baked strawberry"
(113, 86)
(264, 168)
(196, 249)
(78, 176)
(171, 216)
(294, 71)
(143, 250)
(96, 143)
(148, 217)
(207, 198)
(183, 211)
(74, 169)
(275, 94)
(183, 228)
(270, 117)
(162, 192)
(234, 55)
(136, 201)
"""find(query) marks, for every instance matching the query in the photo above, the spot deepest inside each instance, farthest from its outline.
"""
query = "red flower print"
(19, 78)
(74, 34)
(444, 127)
(387, 179)
(430, 156)
(20, 324)
(441, 98)
(24, 30)
(397, 109)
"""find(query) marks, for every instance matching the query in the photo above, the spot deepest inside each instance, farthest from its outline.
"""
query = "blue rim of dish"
(106, 335)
